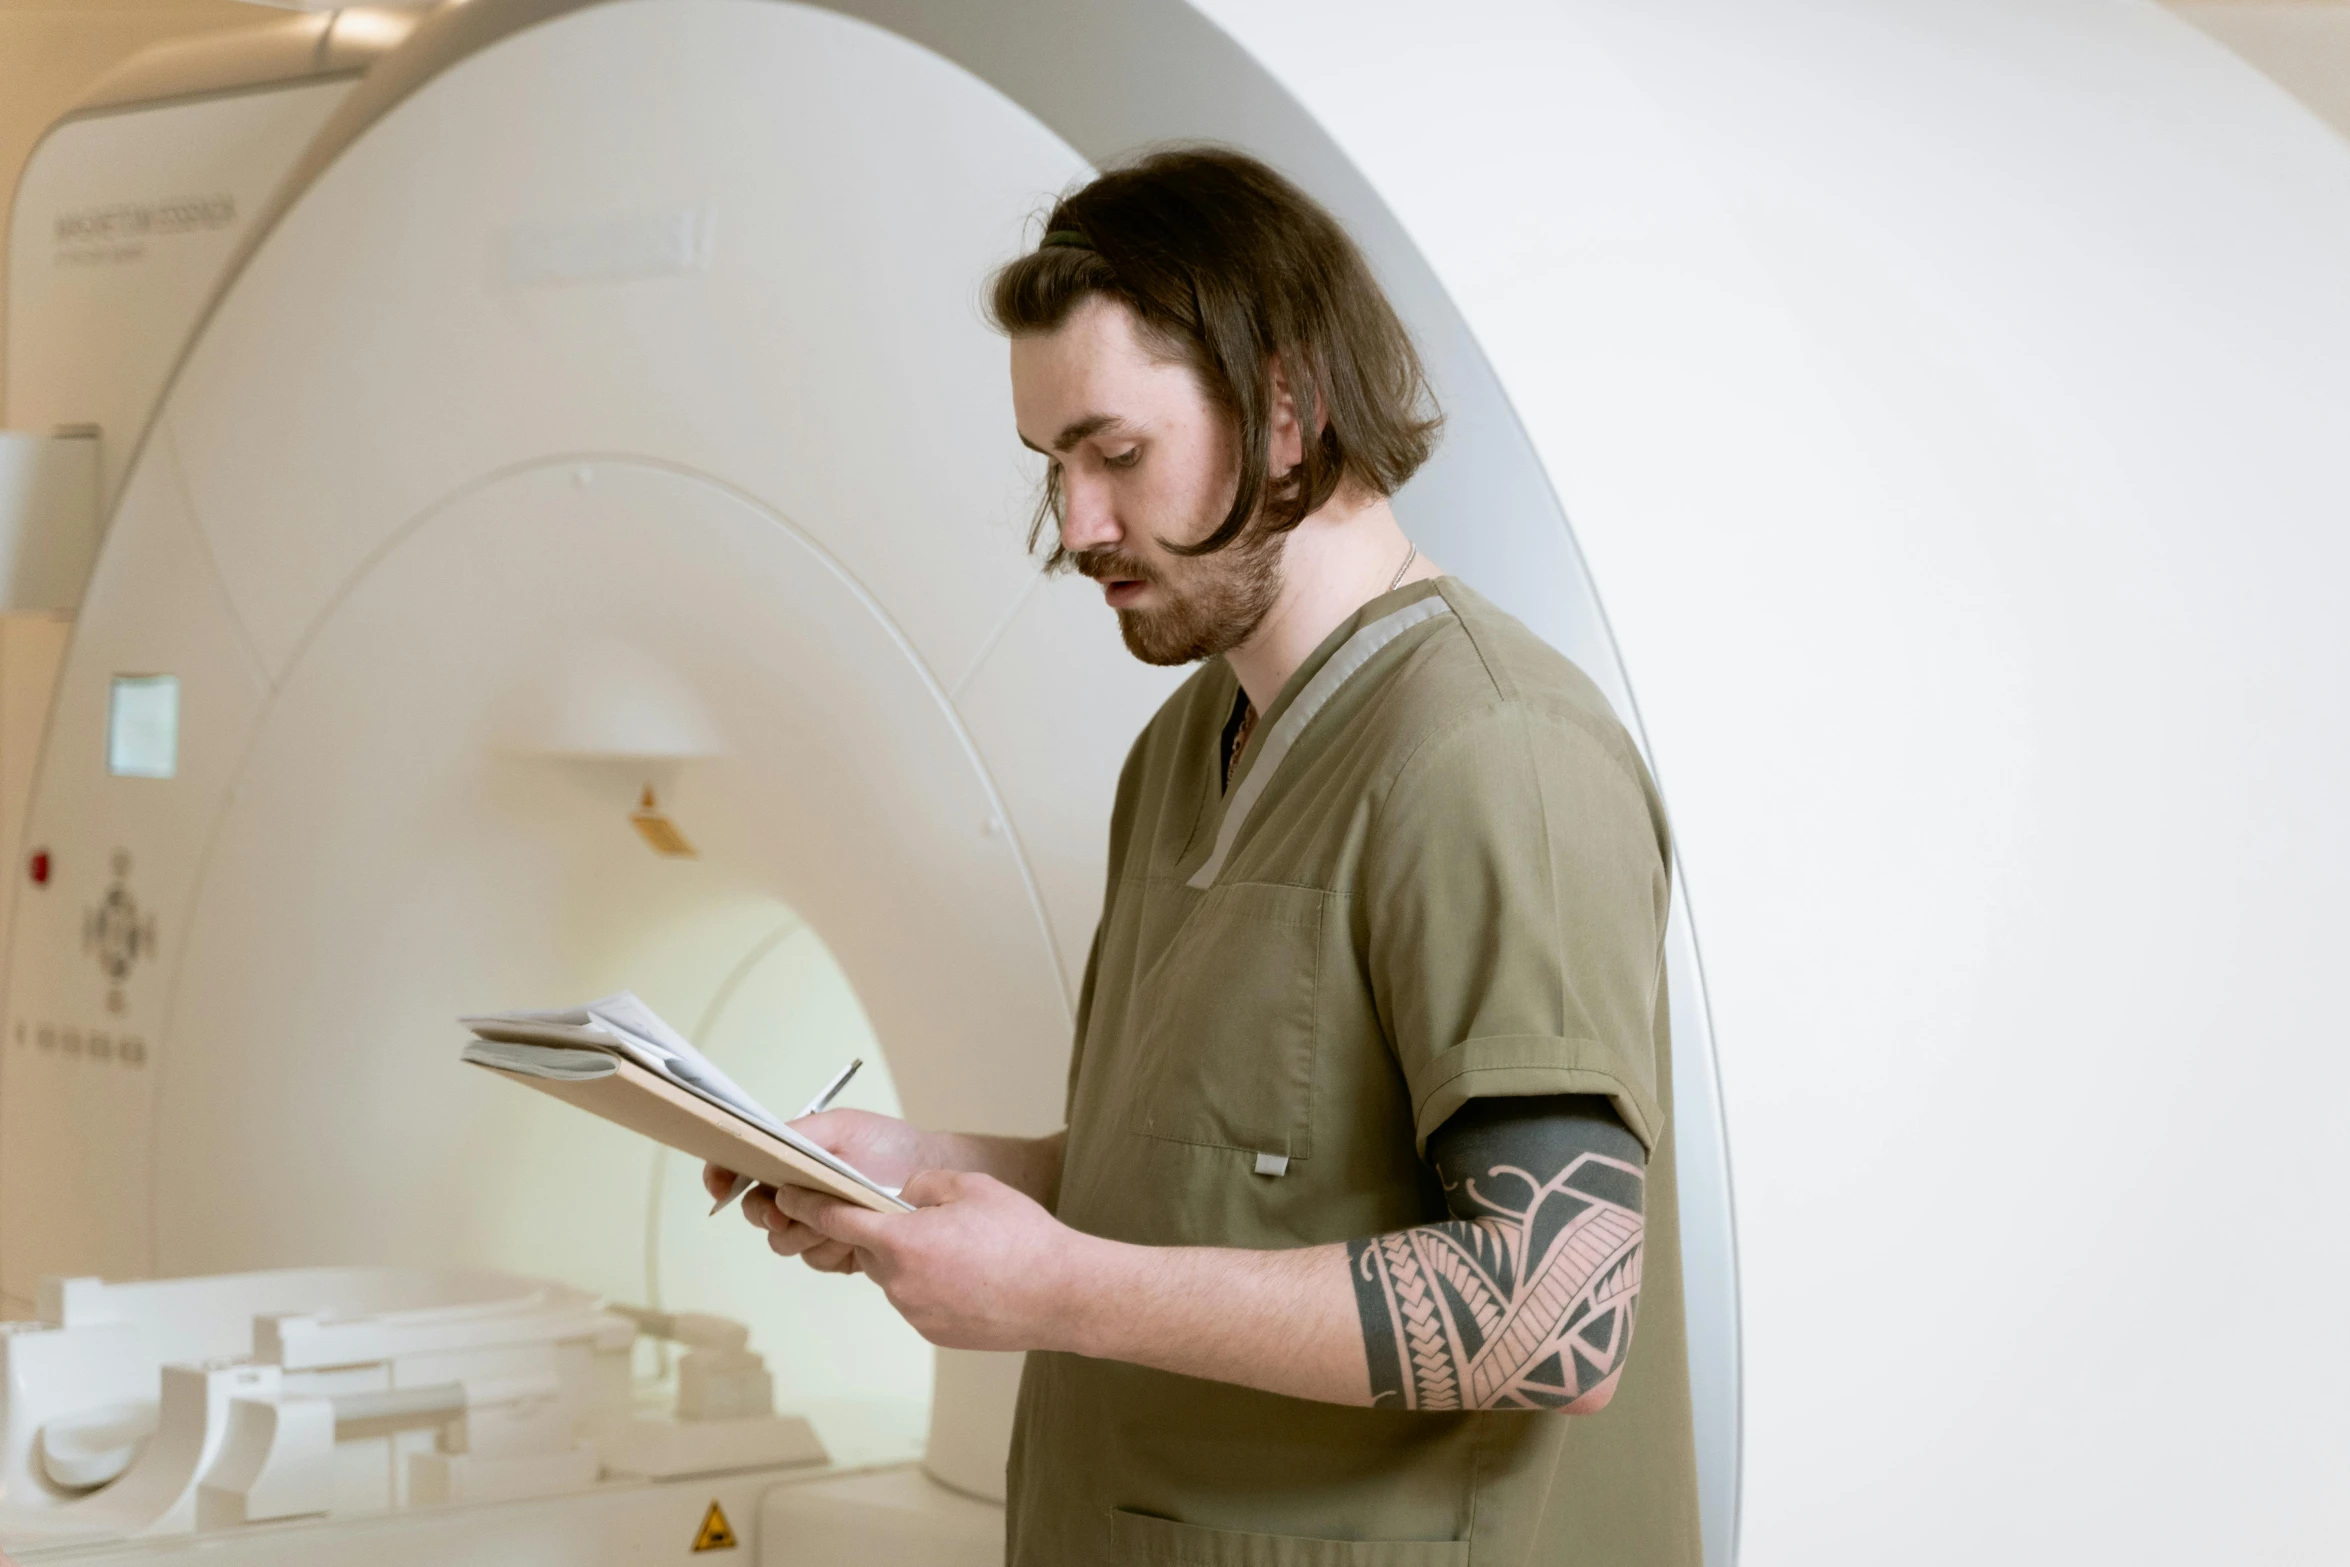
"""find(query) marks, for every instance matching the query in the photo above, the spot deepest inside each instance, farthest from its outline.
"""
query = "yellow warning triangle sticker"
(717, 1534)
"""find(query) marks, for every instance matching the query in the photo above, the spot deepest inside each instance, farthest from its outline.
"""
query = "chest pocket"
(1230, 1023)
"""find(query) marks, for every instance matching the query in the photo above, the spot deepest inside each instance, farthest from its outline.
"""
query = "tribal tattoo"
(1526, 1299)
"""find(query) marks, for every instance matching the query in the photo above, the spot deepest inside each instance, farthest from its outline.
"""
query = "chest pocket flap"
(1231, 1011)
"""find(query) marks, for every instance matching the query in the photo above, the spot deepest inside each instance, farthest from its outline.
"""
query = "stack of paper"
(615, 1058)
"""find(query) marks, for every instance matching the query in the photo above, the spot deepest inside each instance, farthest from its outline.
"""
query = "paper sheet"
(624, 1024)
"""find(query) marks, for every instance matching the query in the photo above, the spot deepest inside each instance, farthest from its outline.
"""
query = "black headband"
(1065, 239)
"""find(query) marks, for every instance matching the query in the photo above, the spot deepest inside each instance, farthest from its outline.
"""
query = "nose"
(1088, 520)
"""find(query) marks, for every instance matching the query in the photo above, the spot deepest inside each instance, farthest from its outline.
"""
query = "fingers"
(824, 1256)
(836, 1130)
(796, 1240)
(829, 1244)
(820, 1252)
(759, 1210)
(786, 1236)
(824, 1126)
(717, 1182)
(842, 1221)
(929, 1188)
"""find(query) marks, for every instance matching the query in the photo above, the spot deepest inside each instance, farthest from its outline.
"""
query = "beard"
(1214, 602)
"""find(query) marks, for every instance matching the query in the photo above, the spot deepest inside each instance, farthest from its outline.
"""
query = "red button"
(40, 867)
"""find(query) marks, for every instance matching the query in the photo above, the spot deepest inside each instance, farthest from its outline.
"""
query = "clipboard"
(628, 1095)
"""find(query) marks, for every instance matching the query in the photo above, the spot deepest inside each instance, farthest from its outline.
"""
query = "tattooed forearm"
(1526, 1299)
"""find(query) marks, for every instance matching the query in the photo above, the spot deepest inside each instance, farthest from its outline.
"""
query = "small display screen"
(143, 727)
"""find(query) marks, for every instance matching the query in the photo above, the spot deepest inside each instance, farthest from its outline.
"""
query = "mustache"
(1107, 562)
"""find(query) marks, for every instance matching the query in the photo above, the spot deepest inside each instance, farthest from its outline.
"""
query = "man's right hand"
(884, 1147)
(893, 1153)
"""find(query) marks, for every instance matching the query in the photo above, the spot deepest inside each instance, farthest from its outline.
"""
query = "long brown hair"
(1228, 266)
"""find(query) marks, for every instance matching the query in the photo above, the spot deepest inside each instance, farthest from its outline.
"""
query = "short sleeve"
(1515, 885)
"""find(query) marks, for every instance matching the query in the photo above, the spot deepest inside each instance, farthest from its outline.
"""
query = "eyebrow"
(1077, 430)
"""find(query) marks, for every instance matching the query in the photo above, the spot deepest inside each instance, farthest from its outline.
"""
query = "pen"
(840, 1080)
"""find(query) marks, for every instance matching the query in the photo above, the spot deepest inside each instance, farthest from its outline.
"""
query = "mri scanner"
(510, 420)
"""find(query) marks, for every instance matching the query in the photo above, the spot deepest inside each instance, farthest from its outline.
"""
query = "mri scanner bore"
(833, 688)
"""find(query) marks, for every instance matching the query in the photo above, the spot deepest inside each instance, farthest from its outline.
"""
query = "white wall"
(1949, 401)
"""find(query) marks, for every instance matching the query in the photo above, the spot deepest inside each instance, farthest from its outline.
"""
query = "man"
(1364, 1174)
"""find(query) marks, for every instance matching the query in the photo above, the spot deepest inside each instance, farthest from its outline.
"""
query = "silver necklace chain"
(1409, 556)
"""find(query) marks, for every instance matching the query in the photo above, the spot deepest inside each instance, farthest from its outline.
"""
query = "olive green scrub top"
(1438, 874)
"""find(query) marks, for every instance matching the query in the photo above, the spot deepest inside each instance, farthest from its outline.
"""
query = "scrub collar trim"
(1342, 665)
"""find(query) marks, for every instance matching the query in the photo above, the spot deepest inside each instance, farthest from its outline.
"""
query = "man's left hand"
(976, 1265)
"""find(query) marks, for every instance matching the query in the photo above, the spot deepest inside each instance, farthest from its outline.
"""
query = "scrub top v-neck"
(1437, 872)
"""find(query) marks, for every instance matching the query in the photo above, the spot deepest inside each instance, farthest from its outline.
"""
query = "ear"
(1287, 447)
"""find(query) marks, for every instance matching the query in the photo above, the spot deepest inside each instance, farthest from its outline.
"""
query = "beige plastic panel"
(823, 350)
(271, 51)
(48, 521)
(76, 1135)
(32, 648)
(121, 226)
